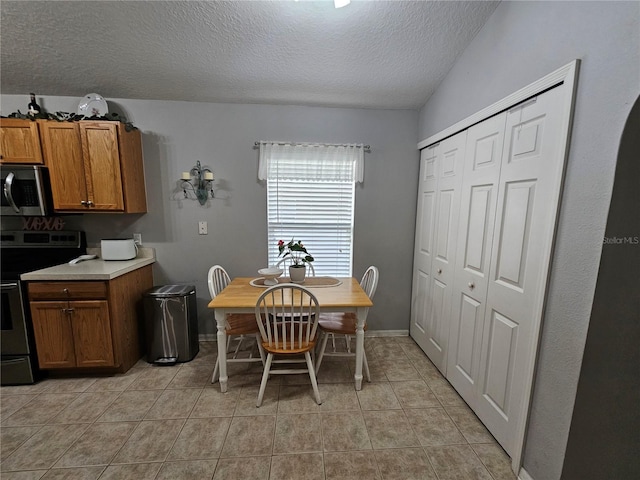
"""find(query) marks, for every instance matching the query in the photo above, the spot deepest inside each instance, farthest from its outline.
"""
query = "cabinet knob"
(66, 290)
(83, 202)
(472, 285)
(439, 271)
(89, 203)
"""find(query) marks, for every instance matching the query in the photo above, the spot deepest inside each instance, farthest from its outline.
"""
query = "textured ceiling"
(371, 54)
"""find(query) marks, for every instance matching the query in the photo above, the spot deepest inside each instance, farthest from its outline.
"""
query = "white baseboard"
(387, 333)
(207, 337)
(212, 337)
(524, 475)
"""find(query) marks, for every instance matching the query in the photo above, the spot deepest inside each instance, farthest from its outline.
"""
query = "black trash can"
(171, 320)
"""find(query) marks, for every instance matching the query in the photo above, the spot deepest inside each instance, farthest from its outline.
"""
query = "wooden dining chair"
(287, 317)
(238, 325)
(344, 324)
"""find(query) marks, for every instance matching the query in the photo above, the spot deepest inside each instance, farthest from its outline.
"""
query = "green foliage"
(71, 117)
(296, 250)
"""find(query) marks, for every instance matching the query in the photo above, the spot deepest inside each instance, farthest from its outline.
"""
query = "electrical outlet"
(137, 239)
(202, 228)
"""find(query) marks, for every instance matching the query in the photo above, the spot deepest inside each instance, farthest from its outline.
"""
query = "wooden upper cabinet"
(94, 166)
(19, 142)
(63, 152)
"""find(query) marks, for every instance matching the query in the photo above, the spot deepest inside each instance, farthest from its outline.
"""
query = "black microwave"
(26, 190)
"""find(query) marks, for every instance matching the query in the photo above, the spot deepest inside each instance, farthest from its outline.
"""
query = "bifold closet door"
(423, 250)
(438, 226)
(528, 199)
(479, 194)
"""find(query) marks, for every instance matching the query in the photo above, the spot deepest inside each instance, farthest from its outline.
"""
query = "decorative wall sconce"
(199, 180)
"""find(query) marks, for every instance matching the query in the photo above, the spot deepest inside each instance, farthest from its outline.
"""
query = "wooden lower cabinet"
(93, 324)
(73, 334)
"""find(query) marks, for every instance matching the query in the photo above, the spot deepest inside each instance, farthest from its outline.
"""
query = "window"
(311, 197)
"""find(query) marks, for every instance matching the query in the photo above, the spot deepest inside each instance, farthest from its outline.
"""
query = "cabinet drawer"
(67, 290)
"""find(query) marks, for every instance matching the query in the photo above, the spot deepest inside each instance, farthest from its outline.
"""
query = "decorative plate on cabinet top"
(93, 105)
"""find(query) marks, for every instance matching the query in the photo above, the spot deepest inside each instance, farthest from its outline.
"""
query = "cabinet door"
(92, 333)
(63, 154)
(102, 165)
(19, 142)
(53, 334)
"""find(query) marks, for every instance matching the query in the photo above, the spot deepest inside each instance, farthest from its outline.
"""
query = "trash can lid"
(171, 291)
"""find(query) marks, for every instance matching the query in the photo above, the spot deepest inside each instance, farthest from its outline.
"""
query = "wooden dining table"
(240, 296)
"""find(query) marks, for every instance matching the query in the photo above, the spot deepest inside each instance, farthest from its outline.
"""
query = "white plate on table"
(93, 105)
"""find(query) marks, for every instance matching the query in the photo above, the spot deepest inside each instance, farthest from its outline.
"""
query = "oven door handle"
(5, 287)
(8, 183)
(12, 361)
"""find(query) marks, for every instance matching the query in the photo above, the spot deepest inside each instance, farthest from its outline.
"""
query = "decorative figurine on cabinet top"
(33, 108)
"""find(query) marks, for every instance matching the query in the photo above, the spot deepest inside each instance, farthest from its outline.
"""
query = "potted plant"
(299, 258)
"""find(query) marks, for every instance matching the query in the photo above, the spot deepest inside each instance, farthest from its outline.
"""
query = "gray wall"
(520, 43)
(221, 136)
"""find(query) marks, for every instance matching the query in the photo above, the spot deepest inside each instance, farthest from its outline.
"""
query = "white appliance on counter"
(118, 249)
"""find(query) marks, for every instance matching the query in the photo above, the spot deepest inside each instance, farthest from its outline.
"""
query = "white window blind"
(311, 197)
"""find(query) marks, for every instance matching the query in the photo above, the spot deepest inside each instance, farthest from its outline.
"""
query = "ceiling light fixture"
(341, 3)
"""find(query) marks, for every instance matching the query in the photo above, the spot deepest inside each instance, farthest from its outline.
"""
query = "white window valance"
(311, 162)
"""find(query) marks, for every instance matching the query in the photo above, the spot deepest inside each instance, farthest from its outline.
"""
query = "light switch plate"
(202, 228)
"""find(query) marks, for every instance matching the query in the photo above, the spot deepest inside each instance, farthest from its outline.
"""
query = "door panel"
(443, 230)
(500, 348)
(102, 165)
(525, 220)
(53, 334)
(482, 166)
(19, 142)
(92, 334)
(450, 164)
(427, 208)
(423, 254)
(436, 319)
(63, 155)
(515, 234)
(475, 251)
(420, 304)
(470, 320)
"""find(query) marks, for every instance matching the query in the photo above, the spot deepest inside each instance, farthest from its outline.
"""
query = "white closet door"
(423, 252)
(450, 163)
(530, 178)
(479, 194)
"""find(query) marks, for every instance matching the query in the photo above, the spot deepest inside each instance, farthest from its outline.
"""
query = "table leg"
(361, 315)
(221, 316)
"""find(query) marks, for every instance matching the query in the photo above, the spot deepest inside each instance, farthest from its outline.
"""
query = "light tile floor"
(171, 423)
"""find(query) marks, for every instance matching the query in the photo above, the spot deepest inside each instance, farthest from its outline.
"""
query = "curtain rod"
(365, 147)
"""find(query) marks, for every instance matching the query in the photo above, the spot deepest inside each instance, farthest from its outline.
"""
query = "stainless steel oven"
(16, 364)
(26, 190)
(22, 252)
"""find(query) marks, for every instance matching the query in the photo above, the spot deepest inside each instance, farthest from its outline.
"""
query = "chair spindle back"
(218, 279)
(287, 315)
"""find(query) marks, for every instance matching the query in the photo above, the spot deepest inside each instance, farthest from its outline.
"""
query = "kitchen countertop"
(96, 269)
